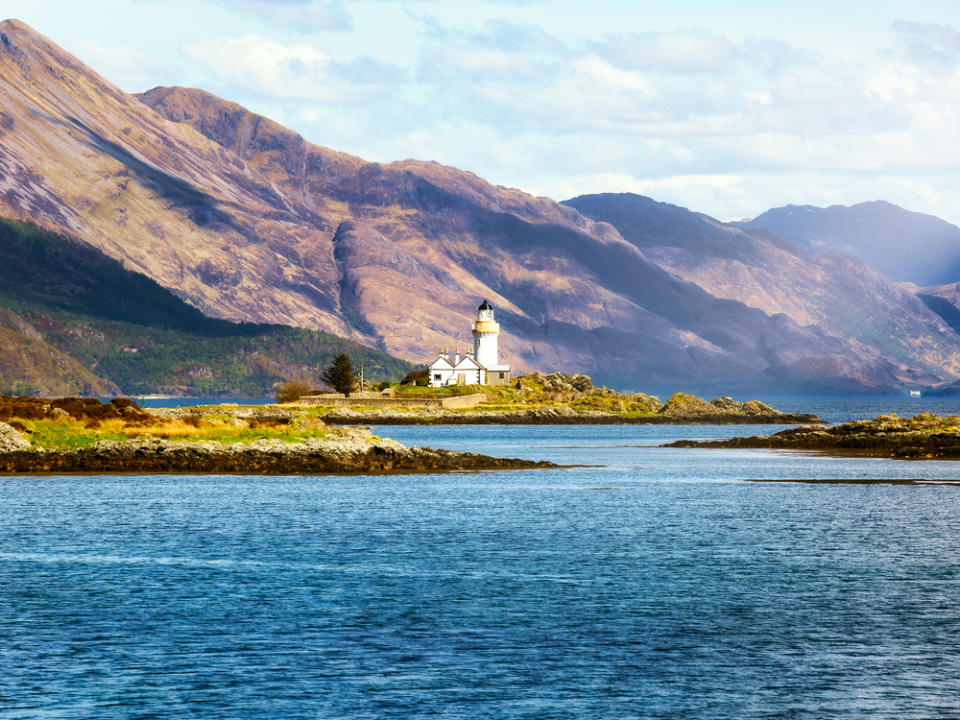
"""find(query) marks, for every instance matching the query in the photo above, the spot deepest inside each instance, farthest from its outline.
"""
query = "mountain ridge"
(904, 245)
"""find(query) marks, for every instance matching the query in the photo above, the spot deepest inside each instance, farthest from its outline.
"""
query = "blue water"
(659, 586)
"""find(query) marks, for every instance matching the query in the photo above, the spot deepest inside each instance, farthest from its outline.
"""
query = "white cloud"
(612, 79)
(295, 71)
(928, 45)
(299, 15)
(685, 51)
(126, 66)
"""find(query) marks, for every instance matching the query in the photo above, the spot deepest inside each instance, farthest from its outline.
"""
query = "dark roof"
(485, 306)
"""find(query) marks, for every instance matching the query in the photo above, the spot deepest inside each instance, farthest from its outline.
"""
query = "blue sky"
(726, 108)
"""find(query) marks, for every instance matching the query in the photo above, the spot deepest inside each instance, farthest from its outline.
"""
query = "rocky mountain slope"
(903, 245)
(247, 221)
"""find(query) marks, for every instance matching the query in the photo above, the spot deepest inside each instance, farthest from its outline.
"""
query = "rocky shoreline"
(358, 453)
(556, 416)
(921, 437)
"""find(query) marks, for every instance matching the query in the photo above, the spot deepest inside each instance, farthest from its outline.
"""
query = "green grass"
(449, 391)
(66, 434)
(69, 434)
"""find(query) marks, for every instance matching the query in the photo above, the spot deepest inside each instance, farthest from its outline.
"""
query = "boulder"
(686, 405)
(12, 439)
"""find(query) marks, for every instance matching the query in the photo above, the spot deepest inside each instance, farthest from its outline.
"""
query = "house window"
(436, 376)
(502, 375)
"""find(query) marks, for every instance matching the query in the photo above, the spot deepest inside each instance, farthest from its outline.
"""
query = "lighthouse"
(483, 366)
(486, 330)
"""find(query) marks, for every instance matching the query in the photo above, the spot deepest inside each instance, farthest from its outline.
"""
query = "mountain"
(73, 321)
(903, 245)
(863, 325)
(246, 221)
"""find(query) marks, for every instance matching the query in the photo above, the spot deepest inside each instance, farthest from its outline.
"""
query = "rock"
(750, 407)
(12, 439)
(686, 405)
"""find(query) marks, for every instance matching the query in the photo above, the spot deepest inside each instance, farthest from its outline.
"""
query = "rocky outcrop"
(357, 454)
(11, 439)
(90, 410)
(924, 436)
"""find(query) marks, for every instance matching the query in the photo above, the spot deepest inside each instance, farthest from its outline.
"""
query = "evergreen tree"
(340, 375)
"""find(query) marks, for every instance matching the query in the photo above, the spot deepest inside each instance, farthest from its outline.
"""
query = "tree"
(340, 375)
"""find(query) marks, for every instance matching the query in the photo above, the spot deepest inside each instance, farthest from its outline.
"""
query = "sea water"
(657, 584)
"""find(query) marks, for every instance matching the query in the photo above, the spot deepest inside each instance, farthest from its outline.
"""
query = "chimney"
(457, 356)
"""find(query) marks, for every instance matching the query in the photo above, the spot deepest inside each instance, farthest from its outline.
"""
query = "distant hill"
(903, 245)
(73, 321)
(246, 221)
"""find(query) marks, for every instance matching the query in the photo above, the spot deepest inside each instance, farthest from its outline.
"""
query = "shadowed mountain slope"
(903, 245)
(247, 221)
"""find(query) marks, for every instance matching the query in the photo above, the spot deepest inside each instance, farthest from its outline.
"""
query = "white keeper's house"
(483, 366)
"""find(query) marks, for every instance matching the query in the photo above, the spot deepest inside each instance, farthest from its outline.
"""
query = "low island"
(537, 399)
(922, 437)
(83, 435)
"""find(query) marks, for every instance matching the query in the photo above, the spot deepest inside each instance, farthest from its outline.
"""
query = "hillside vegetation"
(73, 321)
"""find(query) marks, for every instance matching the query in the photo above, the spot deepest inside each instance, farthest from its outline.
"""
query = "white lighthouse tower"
(485, 333)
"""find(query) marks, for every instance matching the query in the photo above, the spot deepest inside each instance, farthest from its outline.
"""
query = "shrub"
(291, 391)
(419, 377)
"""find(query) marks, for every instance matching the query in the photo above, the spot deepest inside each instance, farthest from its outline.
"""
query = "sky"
(726, 108)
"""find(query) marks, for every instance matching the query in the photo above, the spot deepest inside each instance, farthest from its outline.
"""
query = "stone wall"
(463, 401)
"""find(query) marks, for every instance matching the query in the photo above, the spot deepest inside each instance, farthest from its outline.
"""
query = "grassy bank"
(73, 423)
